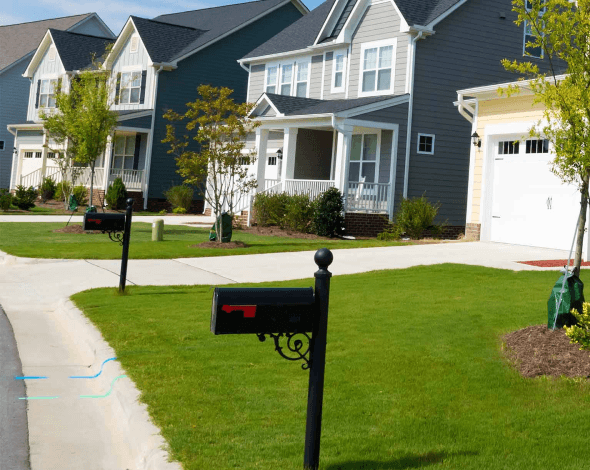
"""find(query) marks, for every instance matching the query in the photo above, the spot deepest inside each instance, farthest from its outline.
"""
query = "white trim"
(438, 19)
(371, 124)
(393, 172)
(136, 130)
(128, 30)
(323, 76)
(420, 134)
(378, 45)
(472, 159)
(362, 131)
(348, 72)
(150, 142)
(134, 44)
(38, 55)
(126, 117)
(249, 70)
(276, 84)
(403, 24)
(102, 23)
(307, 80)
(342, 87)
(330, 19)
(266, 99)
(408, 67)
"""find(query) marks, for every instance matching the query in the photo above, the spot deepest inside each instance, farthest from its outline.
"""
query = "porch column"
(108, 153)
(289, 147)
(44, 157)
(261, 146)
(342, 158)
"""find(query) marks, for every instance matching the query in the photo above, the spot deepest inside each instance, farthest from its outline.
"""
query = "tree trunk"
(581, 224)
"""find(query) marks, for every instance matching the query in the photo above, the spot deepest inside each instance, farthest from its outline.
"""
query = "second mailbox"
(262, 310)
(104, 222)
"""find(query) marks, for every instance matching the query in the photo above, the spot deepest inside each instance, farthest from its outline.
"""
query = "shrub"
(5, 199)
(24, 198)
(270, 209)
(163, 212)
(580, 333)
(328, 219)
(391, 232)
(63, 189)
(47, 189)
(415, 215)
(299, 210)
(179, 210)
(180, 197)
(81, 194)
(116, 195)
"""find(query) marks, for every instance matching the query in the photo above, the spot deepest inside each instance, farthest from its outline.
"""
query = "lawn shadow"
(405, 462)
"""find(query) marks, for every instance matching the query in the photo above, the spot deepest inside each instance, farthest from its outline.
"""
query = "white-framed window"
(286, 79)
(364, 158)
(537, 146)
(124, 152)
(47, 92)
(32, 154)
(134, 44)
(271, 77)
(272, 160)
(338, 68)
(130, 87)
(377, 67)
(290, 78)
(52, 155)
(51, 53)
(302, 78)
(508, 147)
(426, 144)
(530, 35)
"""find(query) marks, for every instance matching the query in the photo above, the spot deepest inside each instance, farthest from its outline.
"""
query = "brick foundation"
(473, 232)
(241, 219)
(208, 212)
(364, 225)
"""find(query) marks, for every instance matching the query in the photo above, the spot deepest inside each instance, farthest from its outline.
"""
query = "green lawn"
(37, 240)
(50, 211)
(414, 377)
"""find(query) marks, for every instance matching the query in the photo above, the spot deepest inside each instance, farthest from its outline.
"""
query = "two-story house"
(157, 65)
(359, 94)
(18, 43)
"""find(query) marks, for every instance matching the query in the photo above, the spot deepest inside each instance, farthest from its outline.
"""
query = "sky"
(113, 12)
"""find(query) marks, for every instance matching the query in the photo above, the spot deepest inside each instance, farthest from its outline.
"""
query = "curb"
(144, 441)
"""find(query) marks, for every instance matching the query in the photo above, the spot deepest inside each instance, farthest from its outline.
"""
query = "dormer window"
(377, 72)
(130, 87)
(271, 79)
(134, 45)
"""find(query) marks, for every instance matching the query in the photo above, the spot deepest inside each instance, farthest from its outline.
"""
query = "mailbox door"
(104, 222)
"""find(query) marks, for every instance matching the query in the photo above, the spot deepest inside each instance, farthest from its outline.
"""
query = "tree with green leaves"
(82, 123)
(558, 31)
(218, 168)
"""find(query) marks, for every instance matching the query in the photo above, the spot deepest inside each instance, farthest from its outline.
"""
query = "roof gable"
(424, 12)
(77, 50)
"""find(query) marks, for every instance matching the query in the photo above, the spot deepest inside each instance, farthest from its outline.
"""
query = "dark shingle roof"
(303, 32)
(75, 50)
(18, 40)
(294, 106)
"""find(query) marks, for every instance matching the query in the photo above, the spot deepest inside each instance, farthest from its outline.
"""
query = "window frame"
(124, 155)
(293, 82)
(2, 144)
(49, 94)
(342, 87)
(377, 161)
(122, 88)
(134, 40)
(524, 34)
(296, 82)
(421, 152)
(378, 45)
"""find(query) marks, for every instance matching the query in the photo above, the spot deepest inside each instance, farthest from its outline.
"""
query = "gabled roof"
(19, 40)
(76, 50)
(424, 12)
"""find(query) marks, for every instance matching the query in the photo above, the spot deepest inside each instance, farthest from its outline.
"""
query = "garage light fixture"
(280, 154)
(476, 140)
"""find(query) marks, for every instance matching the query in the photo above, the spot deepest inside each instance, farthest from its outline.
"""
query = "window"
(537, 146)
(271, 79)
(530, 34)
(130, 87)
(286, 79)
(1, 145)
(426, 144)
(134, 44)
(32, 154)
(272, 160)
(301, 79)
(47, 90)
(377, 68)
(338, 71)
(289, 78)
(52, 155)
(508, 147)
(363, 158)
(124, 152)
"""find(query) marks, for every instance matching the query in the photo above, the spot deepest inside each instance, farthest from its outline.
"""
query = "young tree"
(217, 169)
(559, 32)
(82, 123)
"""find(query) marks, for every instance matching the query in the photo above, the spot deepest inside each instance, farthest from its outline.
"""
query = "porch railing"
(31, 179)
(82, 176)
(311, 187)
(133, 179)
(368, 197)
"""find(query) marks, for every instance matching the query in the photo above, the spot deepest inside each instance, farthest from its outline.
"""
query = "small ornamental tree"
(218, 168)
(559, 32)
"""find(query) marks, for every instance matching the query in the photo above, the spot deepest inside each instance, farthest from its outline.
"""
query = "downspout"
(410, 112)
(148, 163)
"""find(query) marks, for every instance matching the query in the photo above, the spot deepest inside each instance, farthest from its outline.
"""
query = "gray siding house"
(18, 43)
(359, 94)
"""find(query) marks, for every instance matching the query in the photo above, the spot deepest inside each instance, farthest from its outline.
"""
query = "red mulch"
(552, 263)
(537, 350)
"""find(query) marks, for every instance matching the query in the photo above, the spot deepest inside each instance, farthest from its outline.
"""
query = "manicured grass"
(414, 378)
(37, 240)
(50, 211)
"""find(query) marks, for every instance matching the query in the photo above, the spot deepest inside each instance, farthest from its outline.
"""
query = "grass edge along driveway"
(38, 240)
(415, 376)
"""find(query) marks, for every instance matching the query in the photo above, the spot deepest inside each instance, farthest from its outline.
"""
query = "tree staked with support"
(558, 31)
(219, 167)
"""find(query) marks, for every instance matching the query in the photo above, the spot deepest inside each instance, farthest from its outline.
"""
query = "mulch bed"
(537, 350)
(552, 263)
(75, 229)
(224, 246)
(279, 232)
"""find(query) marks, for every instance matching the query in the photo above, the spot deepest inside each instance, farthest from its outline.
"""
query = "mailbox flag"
(249, 310)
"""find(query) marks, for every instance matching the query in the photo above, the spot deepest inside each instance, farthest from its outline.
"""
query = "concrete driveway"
(54, 340)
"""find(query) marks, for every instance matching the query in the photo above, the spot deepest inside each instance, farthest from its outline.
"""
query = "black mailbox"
(104, 222)
(262, 310)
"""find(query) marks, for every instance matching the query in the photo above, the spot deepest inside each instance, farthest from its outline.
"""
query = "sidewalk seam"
(207, 271)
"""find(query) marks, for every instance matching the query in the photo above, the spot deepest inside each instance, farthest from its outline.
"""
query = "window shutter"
(118, 88)
(142, 92)
(136, 153)
(38, 93)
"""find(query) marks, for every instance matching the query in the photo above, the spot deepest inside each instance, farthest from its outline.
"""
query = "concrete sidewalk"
(54, 339)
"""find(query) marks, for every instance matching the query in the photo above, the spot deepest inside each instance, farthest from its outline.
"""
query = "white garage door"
(530, 205)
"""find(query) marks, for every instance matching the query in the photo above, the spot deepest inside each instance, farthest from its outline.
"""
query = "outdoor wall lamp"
(476, 140)
(280, 154)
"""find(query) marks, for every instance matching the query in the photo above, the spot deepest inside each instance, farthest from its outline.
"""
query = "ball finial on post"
(323, 258)
(130, 202)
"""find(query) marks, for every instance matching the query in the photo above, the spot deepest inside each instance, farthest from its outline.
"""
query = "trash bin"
(573, 297)
(226, 227)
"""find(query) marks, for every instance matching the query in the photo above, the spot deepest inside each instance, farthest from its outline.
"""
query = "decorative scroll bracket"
(116, 237)
(296, 347)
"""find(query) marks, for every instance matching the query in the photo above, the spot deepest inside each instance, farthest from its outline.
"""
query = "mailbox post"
(286, 314)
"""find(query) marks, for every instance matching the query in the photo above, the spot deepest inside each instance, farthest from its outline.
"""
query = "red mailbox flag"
(249, 310)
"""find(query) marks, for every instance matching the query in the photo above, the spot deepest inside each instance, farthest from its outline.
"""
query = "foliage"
(328, 218)
(560, 30)
(47, 189)
(299, 212)
(63, 189)
(80, 192)
(219, 126)
(269, 209)
(413, 216)
(580, 332)
(391, 232)
(116, 195)
(179, 210)
(24, 198)
(163, 212)
(180, 197)
(5, 199)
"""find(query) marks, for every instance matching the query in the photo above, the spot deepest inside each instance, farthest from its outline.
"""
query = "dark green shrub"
(179, 210)
(270, 209)
(47, 189)
(116, 195)
(5, 199)
(63, 189)
(81, 194)
(415, 215)
(299, 210)
(180, 197)
(24, 198)
(328, 219)
(391, 232)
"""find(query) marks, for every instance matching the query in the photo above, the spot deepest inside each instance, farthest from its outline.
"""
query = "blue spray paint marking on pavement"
(37, 398)
(29, 377)
(108, 393)
(92, 376)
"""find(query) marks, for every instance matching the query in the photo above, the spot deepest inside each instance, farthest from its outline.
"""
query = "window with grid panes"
(426, 143)
(537, 146)
(47, 93)
(363, 158)
(130, 88)
(508, 147)
(124, 152)
(377, 69)
(301, 79)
